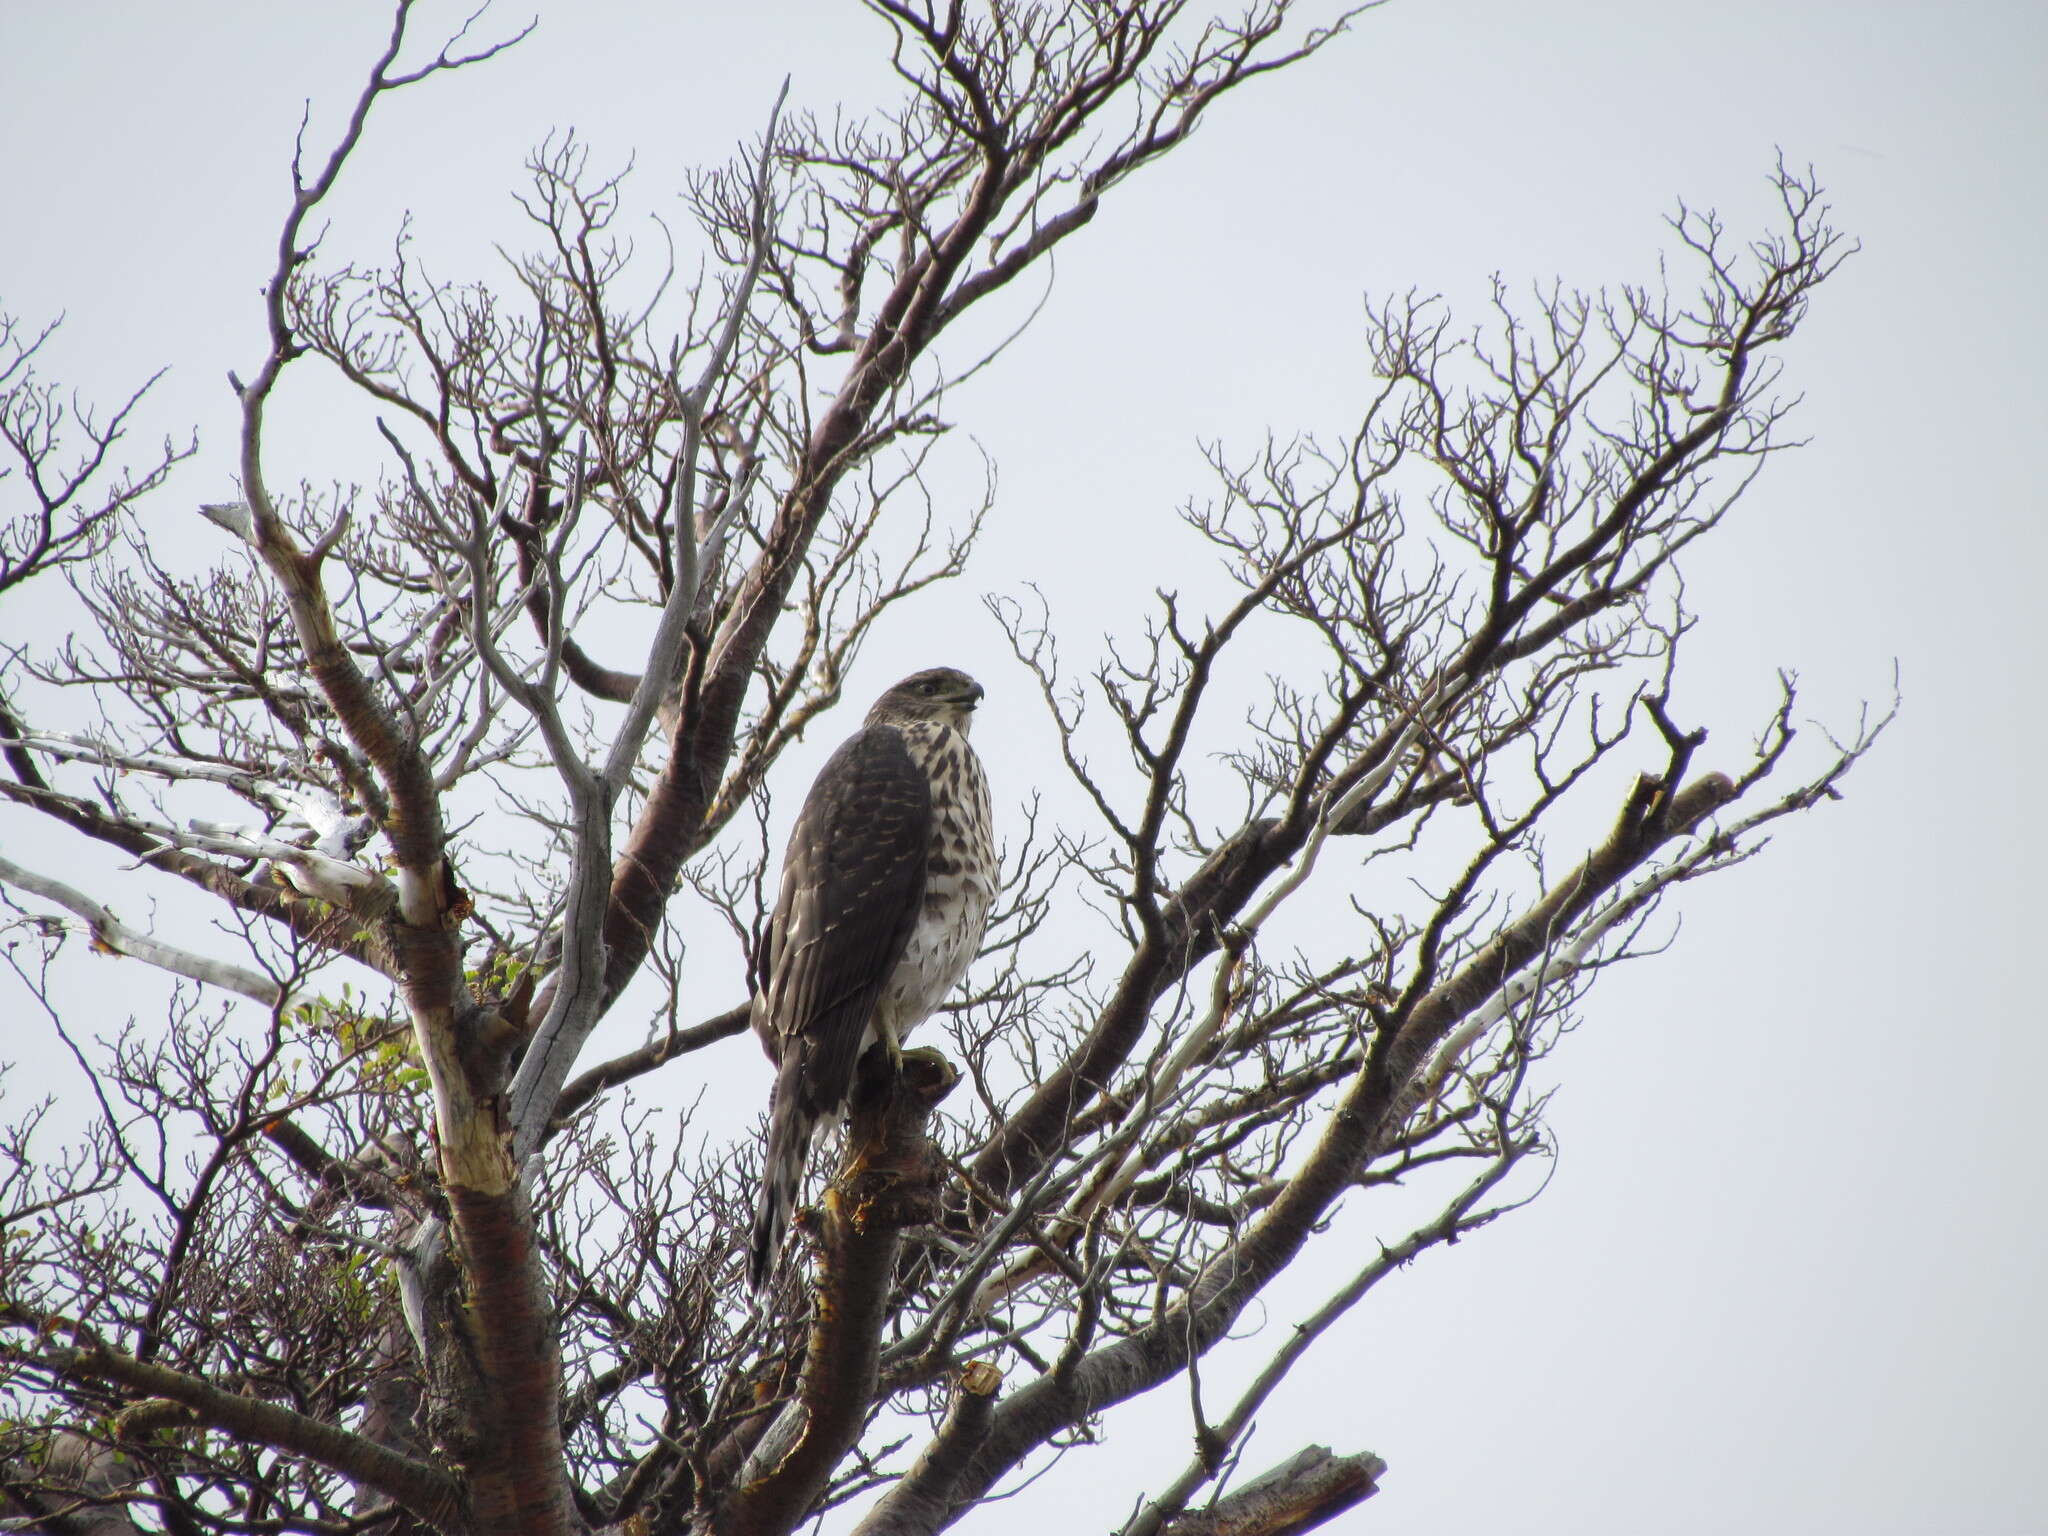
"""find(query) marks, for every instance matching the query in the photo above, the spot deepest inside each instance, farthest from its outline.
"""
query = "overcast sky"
(1789, 1274)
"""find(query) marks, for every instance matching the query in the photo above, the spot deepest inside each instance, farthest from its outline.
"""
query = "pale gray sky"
(1789, 1274)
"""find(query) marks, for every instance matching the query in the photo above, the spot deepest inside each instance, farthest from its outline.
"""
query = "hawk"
(886, 886)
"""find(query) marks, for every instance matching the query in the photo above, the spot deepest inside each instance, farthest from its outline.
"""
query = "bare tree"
(358, 1240)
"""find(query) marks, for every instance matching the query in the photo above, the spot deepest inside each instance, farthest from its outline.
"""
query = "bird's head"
(944, 694)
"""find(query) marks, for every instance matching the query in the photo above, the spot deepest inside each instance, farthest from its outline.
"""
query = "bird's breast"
(960, 881)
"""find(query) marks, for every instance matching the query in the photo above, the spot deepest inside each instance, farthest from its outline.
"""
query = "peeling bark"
(1298, 1495)
(515, 1481)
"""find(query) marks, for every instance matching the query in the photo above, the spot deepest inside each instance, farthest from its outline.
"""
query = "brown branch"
(644, 1059)
(1135, 1364)
(587, 673)
(1298, 1495)
(925, 298)
(516, 1473)
(1191, 925)
(361, 1181)
(519, 1486)
(427, 1491)
(77, 1491)
(920, 1499)
(889, 1181)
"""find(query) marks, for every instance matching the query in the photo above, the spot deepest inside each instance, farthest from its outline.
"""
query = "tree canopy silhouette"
(358, 1239)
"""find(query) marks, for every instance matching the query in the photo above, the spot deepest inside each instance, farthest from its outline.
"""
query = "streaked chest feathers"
(960, 876)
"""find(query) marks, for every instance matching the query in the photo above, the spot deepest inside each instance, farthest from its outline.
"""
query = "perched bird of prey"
(886, 886)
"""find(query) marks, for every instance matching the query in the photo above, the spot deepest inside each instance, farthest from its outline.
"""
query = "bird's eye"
(927, 687)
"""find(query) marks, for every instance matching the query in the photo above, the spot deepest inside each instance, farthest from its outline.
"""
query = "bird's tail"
(790, 1127)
